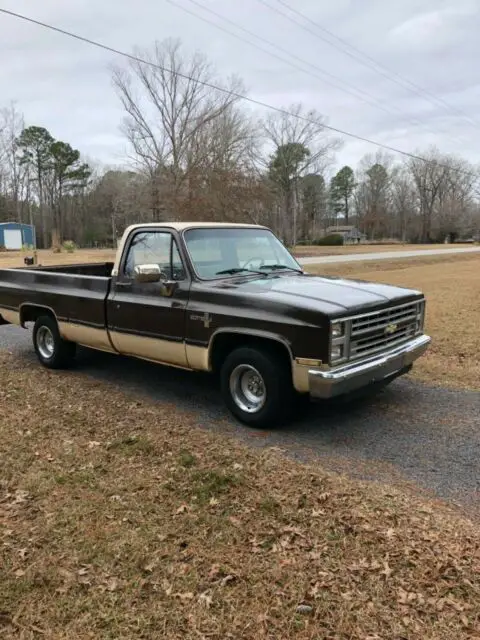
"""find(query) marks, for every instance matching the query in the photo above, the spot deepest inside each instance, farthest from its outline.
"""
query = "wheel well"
(30, 313)
(225, 343)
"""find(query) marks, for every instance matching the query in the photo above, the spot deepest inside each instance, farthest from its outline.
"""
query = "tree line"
(196, 153)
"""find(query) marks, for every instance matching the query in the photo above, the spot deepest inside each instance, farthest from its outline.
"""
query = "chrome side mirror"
(145, 273)
(148, 273)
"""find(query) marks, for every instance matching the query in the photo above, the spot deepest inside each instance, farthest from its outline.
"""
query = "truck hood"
(331, 295)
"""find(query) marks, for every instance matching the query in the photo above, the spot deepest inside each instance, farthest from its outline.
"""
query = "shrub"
(333, 240)
(69, 246)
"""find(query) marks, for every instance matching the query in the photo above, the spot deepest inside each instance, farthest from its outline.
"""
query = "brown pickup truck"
(228, 299)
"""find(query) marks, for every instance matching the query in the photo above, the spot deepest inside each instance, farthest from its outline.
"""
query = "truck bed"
(75, 293)
(102, 269)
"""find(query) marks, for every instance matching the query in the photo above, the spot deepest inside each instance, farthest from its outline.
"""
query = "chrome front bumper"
(355, 375)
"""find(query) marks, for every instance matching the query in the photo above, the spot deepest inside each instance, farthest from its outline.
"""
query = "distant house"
(349, 233)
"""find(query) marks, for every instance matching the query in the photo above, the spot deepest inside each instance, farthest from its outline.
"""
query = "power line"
(233, 94)
(359, 93)
(289, 62)
(358, 55)
(383, 70)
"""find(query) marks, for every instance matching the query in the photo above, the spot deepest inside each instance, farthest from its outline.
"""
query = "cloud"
(65, 86)
(433, 30)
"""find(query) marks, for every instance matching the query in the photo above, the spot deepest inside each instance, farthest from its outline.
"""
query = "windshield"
(216, 252)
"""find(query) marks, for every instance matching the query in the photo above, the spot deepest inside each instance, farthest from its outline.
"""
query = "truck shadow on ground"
(400, 408)
(200, 392)
(423, 436)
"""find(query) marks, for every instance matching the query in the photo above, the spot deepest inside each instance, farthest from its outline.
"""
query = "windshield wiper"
(278, 267)
(238, 270)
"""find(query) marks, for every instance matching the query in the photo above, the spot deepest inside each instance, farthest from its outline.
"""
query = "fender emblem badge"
(206, 318)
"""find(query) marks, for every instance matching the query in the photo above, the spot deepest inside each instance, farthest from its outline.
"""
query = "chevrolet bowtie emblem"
(391, 328)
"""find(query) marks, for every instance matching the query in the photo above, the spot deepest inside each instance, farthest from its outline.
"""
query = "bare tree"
(404, 202)
(373, 194)
(171, 116)
(15, 175)
(298, 144)
(455, 198)
(428, 177)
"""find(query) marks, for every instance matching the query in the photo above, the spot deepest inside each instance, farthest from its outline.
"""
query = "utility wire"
(274, 55)
(335, 80)
(358, 55)
(233, 94)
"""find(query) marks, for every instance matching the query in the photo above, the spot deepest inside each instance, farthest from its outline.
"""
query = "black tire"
(275, 374)
(52, 350)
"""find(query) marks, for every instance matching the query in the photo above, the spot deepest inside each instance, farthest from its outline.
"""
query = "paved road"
(384, 255)
(410, 433)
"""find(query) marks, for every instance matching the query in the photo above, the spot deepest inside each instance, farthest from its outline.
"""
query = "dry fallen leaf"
(149, 566)
(205, 599)
(167, 587)
(235, 521)
(112, 584)
(214, 571)
(304, 609)
(184, 596)
(23, 553)
(387, 571)
(182, 509)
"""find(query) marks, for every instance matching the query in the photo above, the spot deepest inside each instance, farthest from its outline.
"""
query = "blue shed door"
(12, 239)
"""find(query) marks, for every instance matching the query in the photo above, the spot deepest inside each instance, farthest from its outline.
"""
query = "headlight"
(337, 352)
(337, 329)
(339, 338)
(420, 316)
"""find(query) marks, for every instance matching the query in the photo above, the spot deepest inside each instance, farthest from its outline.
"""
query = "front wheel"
(257, 387)
(52, 350)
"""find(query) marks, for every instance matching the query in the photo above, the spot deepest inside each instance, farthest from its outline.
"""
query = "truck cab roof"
(182, 226)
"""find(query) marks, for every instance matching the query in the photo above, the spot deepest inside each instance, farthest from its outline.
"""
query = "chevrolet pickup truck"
(227, 299)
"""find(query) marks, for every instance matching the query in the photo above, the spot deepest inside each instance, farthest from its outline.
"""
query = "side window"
(155, 247)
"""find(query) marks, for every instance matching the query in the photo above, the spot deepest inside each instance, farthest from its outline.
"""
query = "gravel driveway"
(409, 433)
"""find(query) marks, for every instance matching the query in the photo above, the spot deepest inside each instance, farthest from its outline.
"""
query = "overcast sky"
(65, 85)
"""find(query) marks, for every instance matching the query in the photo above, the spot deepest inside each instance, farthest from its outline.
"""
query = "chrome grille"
(381, 330)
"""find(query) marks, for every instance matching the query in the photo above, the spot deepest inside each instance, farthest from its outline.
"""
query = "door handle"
(123, 285)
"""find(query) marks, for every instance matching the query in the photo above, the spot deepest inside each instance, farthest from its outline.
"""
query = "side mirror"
(148, 273)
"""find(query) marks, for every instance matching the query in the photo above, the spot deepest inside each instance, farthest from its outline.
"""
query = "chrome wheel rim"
(247, 388)
(45, 342)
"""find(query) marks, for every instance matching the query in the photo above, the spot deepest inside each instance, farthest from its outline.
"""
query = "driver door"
(142, 320)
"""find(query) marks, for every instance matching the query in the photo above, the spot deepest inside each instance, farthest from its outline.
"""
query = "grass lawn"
(120, 519)
(10, 259)
(47, 257)
(452, 289)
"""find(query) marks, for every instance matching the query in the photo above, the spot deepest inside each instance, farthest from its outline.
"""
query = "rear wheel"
(257, 386)
(52, 350)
